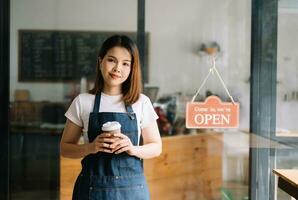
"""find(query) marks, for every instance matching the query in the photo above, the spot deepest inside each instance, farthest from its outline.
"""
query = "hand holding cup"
(121, 143)
(103, 141)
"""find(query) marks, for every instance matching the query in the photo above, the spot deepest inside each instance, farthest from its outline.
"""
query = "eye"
(126, 64)
(111, 60)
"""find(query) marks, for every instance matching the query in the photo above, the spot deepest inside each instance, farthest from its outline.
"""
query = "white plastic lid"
(111, 126)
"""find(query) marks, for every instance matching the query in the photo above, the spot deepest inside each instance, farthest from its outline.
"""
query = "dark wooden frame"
(4, 98)
(263, 95)
(141, 40)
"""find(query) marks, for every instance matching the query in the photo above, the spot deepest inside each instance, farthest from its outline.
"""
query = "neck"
(112, 90)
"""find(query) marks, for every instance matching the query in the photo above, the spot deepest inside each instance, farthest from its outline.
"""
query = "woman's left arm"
(152, 145)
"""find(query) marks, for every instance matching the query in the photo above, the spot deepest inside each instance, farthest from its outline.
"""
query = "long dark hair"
(132, 87)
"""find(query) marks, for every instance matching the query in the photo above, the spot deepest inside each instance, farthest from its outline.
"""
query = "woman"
(112, 165)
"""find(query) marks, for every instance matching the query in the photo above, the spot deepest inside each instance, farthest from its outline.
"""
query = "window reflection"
(287, 99)
(202, 164)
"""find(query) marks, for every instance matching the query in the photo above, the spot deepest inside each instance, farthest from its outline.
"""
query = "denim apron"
(107, 176)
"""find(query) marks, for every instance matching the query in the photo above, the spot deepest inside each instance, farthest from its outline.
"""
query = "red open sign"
(213, 113)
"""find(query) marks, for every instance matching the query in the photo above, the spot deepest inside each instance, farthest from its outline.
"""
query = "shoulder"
(143, 99)
(143, 102)
(147, 113)
(84, 99)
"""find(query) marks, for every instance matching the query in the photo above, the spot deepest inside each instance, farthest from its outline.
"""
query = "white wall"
(176, 34)
(287, 68)
(177, 29)
(101, 15)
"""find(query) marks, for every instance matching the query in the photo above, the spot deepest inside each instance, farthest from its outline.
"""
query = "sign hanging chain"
(212, 70)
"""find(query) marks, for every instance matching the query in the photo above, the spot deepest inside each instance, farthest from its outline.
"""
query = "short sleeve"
(148, 113)
(74, 112)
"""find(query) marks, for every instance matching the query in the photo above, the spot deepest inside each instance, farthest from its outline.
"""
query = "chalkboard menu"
(52, 56)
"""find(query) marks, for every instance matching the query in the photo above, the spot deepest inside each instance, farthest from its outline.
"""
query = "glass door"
(53, 54)
(182, 41)
(287, 90)
(53, 45)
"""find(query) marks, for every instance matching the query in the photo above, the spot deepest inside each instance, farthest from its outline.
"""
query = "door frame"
(4, 97)
(255, 100)
(263, 95)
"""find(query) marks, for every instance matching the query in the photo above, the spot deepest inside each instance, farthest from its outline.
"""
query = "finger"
(106, 140)
(120, 135)
(103, 148)
(101, 145)
(122, 150)
(120, 146)
(105, 145)
(103, 135)
(119, 142)
(109, 140)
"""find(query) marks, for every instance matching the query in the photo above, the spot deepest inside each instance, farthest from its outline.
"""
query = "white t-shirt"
(82, 105)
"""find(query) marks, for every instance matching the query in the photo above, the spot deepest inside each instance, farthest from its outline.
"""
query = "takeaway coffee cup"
(111, 127)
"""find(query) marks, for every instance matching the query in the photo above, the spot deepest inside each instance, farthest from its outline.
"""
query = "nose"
(116, 68)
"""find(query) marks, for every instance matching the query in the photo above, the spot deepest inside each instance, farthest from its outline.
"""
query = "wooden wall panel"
(189, 168)
(69, 170)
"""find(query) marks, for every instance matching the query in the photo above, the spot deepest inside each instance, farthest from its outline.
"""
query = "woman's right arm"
(70, 148)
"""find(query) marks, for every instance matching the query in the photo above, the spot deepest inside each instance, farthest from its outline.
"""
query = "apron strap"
(130, 112)
(129, 109)
(97, 103)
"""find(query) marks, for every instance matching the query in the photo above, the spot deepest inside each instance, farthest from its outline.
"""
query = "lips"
(114, 76)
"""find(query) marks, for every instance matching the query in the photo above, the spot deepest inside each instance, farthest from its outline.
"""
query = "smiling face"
(115, 68)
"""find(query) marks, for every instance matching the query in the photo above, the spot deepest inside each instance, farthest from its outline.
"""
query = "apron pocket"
(128, 164)
(138, 192)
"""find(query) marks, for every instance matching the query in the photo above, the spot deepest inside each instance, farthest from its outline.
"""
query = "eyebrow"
(116, 58)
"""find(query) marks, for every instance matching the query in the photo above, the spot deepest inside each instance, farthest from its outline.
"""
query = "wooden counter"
(288, 181)
(190, 167)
